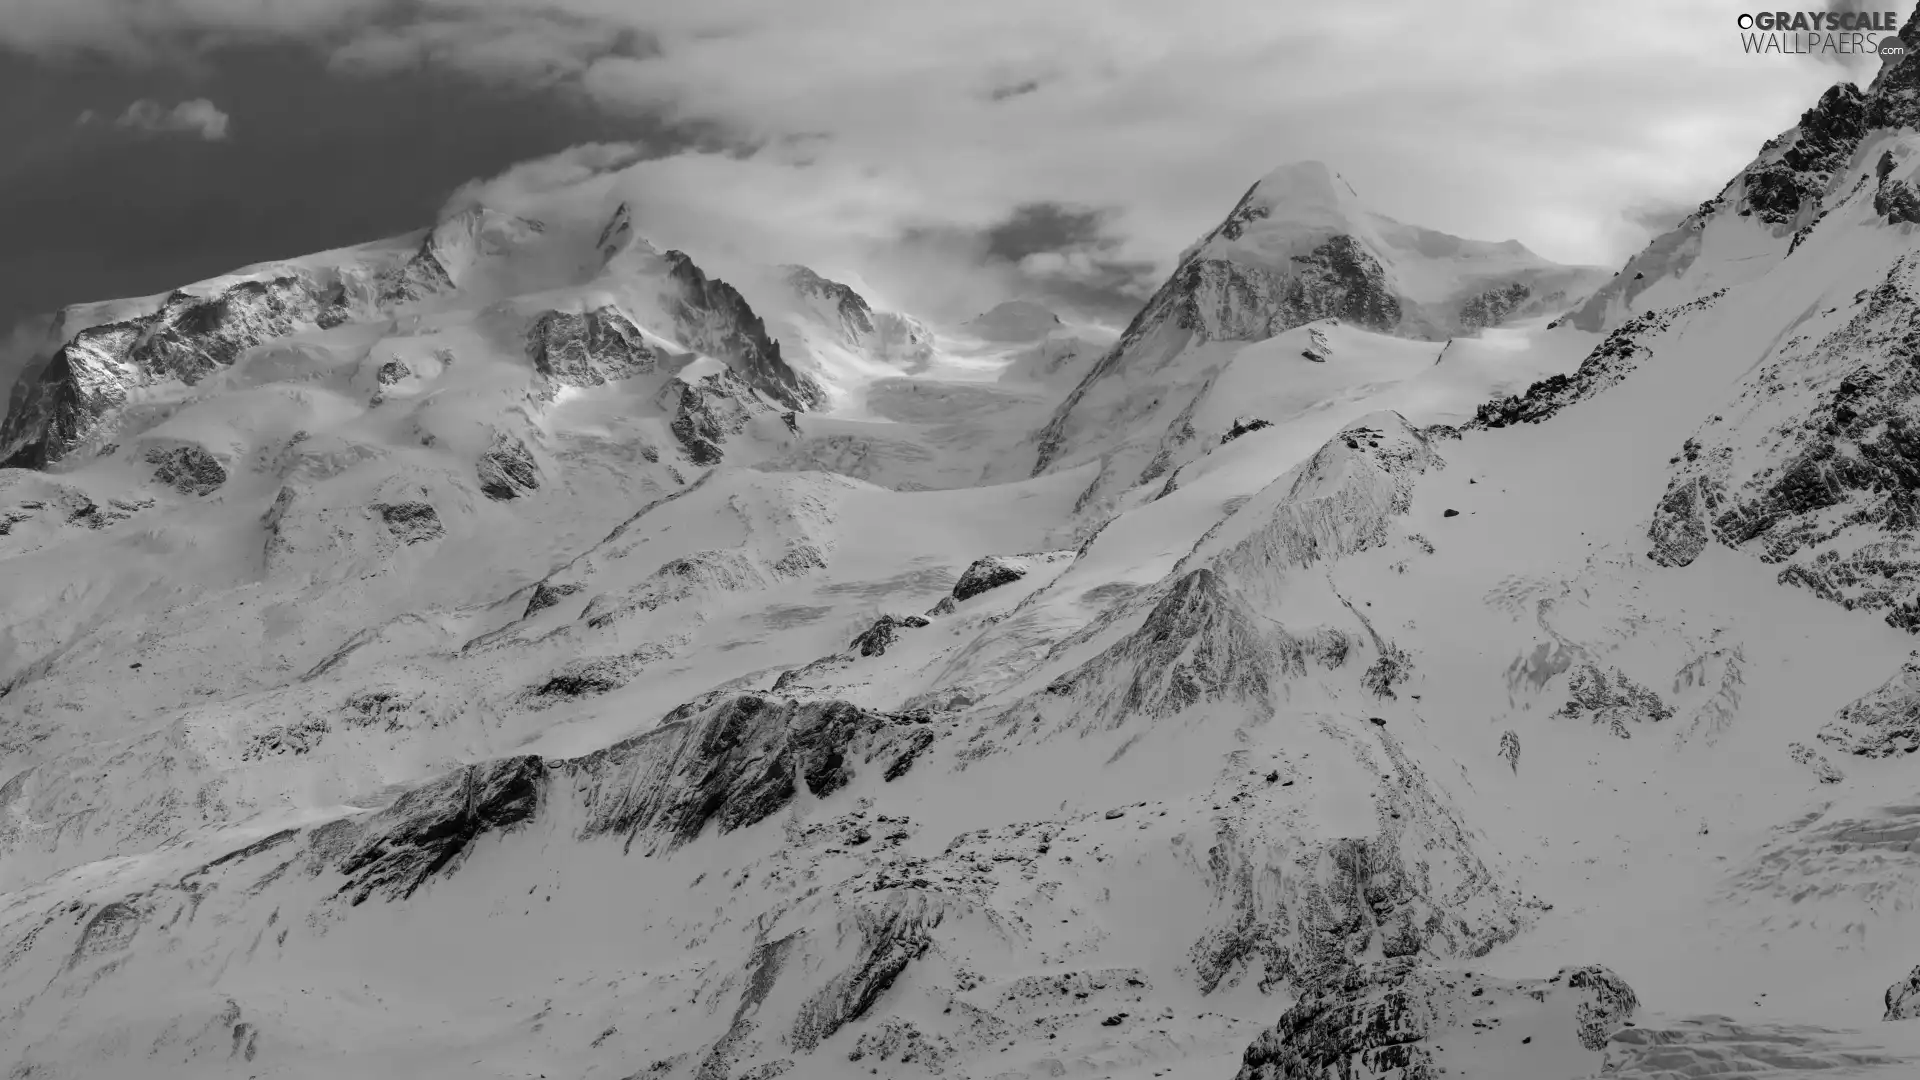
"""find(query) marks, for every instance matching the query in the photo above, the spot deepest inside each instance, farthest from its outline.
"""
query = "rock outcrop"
(986, 573)
(733, 764)
(189, 336)
(1385, 1020)
(713, 318)
(875, 640)
(1883, 723)
(411, 522)
(1903, 998)
(507, 470)
(589, 348)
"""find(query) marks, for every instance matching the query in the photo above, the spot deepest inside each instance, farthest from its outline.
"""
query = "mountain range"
(514, 650)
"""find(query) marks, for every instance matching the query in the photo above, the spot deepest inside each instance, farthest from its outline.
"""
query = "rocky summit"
(516, 649)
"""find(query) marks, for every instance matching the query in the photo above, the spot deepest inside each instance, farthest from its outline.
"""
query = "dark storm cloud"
(1047, 226)
(317, 161)
(1068, 257)
(1014, 90)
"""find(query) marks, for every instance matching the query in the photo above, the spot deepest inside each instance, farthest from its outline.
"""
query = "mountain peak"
(1305, 181)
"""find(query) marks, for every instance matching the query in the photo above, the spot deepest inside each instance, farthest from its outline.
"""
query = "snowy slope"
(510, 651)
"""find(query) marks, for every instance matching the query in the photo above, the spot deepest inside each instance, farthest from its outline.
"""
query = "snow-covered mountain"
(1300, 248)
(511, 651)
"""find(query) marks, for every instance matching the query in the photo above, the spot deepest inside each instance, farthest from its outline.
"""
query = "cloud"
(524, 185)
(197, 117)
(858, 125)
(20, 347)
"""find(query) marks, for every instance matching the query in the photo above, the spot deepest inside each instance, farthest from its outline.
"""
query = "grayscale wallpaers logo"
(1822, 33)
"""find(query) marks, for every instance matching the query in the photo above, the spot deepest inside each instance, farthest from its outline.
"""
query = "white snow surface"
(294, 784)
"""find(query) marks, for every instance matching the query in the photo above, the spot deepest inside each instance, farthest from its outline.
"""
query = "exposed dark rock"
(879, 637)
(987, 573)
(1884, 723)
(1394, 666)
(548, 593)
(892, 935)
(590, 676)
(1241, 426)
(393, 372)
(733, 765)
(856, 317)
(1896, 201)
(589, 348)
(190, 470)
(1610, 362)
(1831, 487)
(411, 522)
(508, 471)
(1825, 139)
(1822, 769)
(188, 338)
(1614, 700)
(713, 318)
(1492, 307)
(1317, 350)
(1376, 1021)
(1903, 998)
(1510, 749)
(429, 827)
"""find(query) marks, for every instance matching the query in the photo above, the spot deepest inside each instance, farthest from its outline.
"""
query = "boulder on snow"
(1883, 723)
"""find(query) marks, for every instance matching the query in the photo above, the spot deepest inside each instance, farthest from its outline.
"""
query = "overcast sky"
(966, 147)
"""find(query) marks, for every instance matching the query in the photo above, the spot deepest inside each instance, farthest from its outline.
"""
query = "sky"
(950, 154)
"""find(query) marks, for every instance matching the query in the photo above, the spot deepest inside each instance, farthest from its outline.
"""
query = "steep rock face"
(429, 828)
(733, 764)
(1387, 1019)
(707, 410)
(1825, 482)
(856, 317)
(589, 348)
(1813, 151)
(714, 318)
(188, 338)
(1884, 723)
